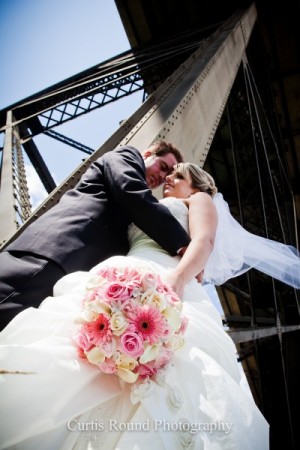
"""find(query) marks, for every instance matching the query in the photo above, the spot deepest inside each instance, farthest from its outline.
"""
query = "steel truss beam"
(252, 334)
(102, 84)
(14, 196)
(66, 140)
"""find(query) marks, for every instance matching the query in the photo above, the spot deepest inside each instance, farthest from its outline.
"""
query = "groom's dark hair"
(161, 148)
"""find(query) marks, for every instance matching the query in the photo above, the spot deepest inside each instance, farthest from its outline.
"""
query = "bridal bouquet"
(131, 323)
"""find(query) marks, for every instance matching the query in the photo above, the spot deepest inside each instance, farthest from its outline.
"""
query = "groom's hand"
(199, 277)
(181, 251)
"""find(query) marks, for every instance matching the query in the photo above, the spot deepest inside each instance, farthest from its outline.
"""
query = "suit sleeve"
(124, 170)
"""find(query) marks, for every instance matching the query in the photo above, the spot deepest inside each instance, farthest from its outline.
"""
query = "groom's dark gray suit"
(88, 225)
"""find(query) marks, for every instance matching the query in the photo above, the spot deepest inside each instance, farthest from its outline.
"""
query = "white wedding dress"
(52, 400)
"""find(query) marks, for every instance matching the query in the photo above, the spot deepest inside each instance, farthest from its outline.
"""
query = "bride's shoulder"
(199, 198)
(172, 201)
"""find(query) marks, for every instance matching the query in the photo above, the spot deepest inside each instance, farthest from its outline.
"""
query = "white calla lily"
(173, 317)
(127, 375)
(150, 354)
(95, 356)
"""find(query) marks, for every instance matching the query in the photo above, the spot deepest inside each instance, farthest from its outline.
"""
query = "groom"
(89, 224)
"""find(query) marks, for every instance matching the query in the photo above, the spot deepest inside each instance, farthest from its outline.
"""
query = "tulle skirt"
(52, 399)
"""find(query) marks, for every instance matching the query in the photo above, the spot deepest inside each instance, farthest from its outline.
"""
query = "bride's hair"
(198, 177)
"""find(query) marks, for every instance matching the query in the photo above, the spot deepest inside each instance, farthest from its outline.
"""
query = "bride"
(59, 391)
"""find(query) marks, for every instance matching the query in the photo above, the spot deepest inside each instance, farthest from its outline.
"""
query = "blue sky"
(43, 42)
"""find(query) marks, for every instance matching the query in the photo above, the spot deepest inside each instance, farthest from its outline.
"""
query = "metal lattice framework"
(98, 86)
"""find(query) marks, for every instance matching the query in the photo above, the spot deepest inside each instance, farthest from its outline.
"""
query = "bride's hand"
(175, 282)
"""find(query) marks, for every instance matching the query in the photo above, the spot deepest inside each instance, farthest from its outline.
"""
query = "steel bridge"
(211, 87)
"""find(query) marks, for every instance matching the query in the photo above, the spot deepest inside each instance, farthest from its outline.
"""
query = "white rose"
(118, 323)
(98, 307)
(89, 315)
(173, 317)
(126, 362)
(153, 298)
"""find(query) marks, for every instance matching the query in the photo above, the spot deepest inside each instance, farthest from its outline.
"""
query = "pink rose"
(132, 344)
(108, 347)
(131, 276)
(117, 291)
(146, 370)
(150, 280)
(108, 366)
(125, 306)
(163, 358)
(83, 340)
(128, 307)
(109, 273)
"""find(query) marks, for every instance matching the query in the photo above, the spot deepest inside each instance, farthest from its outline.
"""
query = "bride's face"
(177, 186)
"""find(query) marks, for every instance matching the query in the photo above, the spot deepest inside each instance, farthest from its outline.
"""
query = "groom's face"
(158, 167)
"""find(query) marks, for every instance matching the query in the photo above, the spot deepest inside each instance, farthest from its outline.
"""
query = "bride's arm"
(203, 224)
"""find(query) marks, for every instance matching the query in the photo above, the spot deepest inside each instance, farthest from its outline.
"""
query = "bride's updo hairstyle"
(198, 177)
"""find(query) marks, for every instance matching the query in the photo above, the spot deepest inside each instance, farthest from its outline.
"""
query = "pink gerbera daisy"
(99, 331)
(148, 322)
